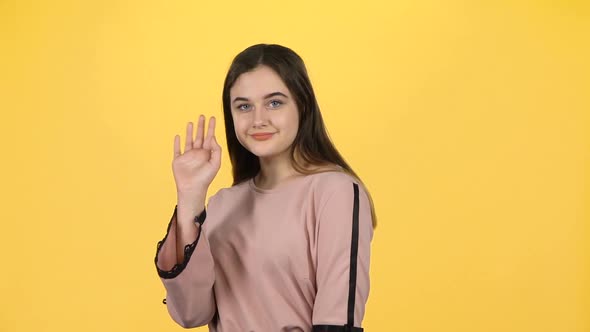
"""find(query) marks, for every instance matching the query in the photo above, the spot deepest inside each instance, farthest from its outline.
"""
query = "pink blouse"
(292, 258)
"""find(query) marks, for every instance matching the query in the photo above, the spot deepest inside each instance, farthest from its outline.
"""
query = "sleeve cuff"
(188, 249)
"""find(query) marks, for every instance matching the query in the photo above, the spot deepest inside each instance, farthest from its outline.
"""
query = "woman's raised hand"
(195, 169)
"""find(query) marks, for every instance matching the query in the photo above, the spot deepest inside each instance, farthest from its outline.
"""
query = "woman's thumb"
(215, 150)
(215, 145)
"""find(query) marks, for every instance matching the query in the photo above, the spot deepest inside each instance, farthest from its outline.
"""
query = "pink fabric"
(274, 260)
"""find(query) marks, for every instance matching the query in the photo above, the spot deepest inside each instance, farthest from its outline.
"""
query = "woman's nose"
(259, 116)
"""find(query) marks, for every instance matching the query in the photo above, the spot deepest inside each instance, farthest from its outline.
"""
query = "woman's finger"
(200, 132)
(189, 137)
(211, 129)
(176, 146)
(210, 133)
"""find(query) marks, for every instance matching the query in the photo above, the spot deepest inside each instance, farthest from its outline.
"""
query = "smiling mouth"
(262, 137)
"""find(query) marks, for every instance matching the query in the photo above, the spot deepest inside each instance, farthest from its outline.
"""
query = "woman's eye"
(243, 107)
(276, 103)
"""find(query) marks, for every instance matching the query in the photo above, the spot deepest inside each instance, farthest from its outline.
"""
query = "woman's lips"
(262, 137)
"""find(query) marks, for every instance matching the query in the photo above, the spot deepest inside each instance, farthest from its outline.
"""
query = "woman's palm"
(195, 169)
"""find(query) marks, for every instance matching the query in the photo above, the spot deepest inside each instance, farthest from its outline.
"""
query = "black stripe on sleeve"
(353, 256)
(349, 327)
(334, 328)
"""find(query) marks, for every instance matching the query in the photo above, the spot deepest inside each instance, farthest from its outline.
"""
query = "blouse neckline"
(284, 185)
(280, 187)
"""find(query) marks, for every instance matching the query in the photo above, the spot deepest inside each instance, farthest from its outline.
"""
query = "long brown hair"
(312, 145)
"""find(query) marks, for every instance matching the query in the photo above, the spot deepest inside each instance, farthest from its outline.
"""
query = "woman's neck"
(277, 169)
(273, 171)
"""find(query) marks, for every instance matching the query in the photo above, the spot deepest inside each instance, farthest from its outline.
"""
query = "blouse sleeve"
(189, 284)
(344, 232)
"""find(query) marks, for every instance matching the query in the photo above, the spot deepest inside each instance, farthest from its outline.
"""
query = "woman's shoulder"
(229, 192)
(327, 178)
(330, 181)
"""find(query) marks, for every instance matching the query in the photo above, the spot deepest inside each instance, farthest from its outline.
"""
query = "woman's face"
(265, 114)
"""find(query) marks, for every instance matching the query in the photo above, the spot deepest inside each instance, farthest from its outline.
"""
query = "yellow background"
(468, 120)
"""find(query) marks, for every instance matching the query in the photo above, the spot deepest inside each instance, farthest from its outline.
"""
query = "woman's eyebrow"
(277, 93)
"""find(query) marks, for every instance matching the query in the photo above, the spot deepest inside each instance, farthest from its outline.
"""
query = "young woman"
(287, 246)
